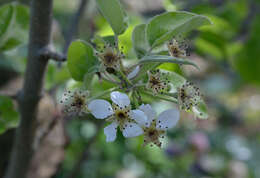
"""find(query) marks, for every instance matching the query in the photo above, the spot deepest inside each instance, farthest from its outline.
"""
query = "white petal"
(120, 98)
(167, 119)
(100, 108)
(140, 117)
(148, 110)
(110, 132)
(132, 130)
(133, 73)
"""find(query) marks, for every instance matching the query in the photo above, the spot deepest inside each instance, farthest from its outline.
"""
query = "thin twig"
(73, 27)
(47, 53)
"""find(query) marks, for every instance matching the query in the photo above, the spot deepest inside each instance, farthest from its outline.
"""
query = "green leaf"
(200, 110)
(139, 41)
(8, 115)
(166, 59)
(88, 77)
(114, 14)
(163, 27)
(175, 79)
(14, 25)
(6, 14)
(80, 59)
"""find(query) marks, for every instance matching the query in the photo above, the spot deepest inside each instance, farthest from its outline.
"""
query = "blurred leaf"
(166, 59)
(14, 25)
(80, 59)
(114, 14)
(163, 27)
(8, 116)
(139, 41)
(247, 61)
(212, 44)
(6, 14)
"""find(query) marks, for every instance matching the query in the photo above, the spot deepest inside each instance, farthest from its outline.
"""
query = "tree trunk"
(40, 36)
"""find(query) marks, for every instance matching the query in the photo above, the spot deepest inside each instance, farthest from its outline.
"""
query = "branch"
(39, 37)
(73, 27)
(46, 53)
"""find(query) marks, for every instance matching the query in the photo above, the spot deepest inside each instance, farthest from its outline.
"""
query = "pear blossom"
(189, 96)
(155, 127)
(177, 48)
(110, 57)
(156, 81)
(74, 102)
(120, 114)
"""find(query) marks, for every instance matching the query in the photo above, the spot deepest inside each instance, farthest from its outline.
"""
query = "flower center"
(109, 57)
(154, 81)
(121, 115)
(78, 102)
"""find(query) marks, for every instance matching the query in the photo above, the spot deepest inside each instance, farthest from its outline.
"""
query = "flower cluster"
(126, 111)
(131, 122)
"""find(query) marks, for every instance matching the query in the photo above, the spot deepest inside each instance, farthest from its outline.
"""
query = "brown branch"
(46, 53)
(39, 37)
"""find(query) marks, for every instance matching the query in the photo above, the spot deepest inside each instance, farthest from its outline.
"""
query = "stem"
(39, 38)
(174, 100)
(125, 78)
(103, 93)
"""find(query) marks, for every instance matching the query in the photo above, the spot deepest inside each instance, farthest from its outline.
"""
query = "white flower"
(189, 96)
(74, 102)
(155, 127)
(120, 114)
(157, 82)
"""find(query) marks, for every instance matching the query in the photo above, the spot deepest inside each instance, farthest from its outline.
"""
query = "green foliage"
(8, 115)
(166, 59)
(14, 24)
(165, 26)
(248, 57)
(81, 59)
(114, 14)
(139, 41)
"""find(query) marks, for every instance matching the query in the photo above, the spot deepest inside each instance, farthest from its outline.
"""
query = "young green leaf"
(114, 14)
(163, 27)
(14, 25)
(166, 59)
(139, 41)
(81, 59)
(8, 115)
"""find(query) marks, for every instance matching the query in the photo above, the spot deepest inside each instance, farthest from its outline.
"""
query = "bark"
(40, 36)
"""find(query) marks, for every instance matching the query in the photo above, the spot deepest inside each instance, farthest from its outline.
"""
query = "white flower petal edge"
(150, 113)
(167, 119)
(133, 73)
(140, 117)
(101, 109)
(110, 132)
(120, 98)
(132, 130)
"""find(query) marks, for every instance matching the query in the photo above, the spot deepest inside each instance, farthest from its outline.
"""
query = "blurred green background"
(227, 52)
